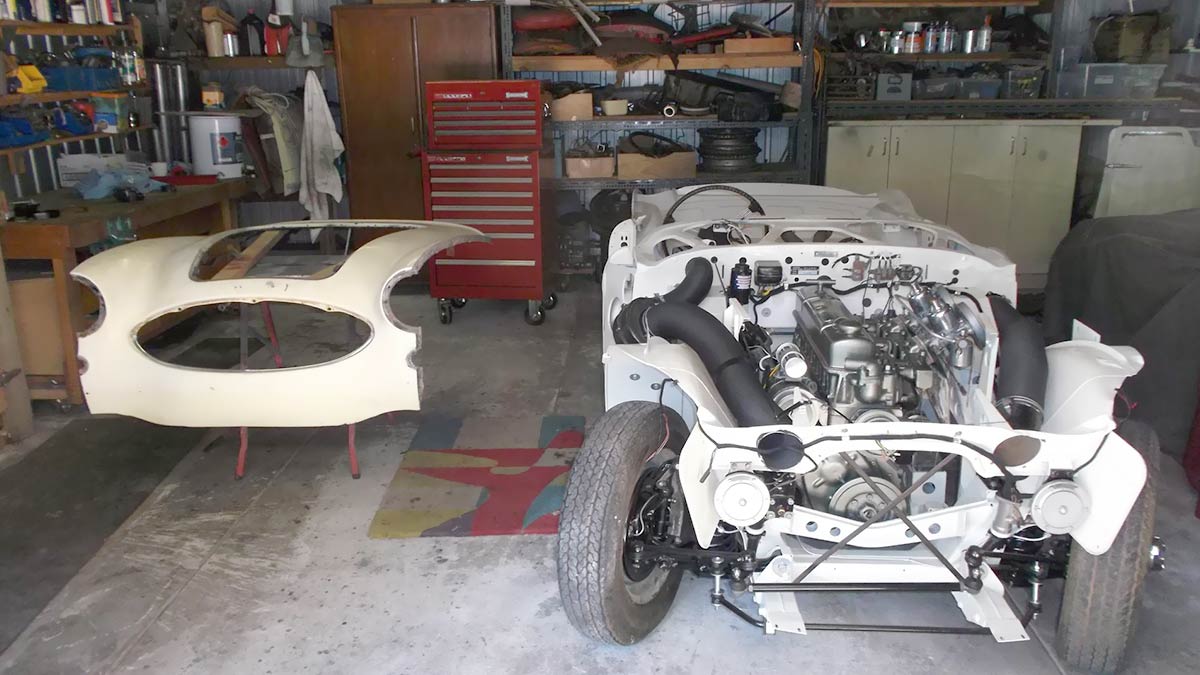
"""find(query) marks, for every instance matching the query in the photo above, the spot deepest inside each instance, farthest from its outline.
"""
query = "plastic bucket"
(216, 145)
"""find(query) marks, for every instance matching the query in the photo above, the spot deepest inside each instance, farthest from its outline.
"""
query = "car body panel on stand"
(144, 280)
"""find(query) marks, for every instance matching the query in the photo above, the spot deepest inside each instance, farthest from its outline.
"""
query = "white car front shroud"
(143, 280)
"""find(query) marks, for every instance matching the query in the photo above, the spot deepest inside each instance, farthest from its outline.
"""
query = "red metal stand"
(353, 451)
(270, 324)
(244, 433)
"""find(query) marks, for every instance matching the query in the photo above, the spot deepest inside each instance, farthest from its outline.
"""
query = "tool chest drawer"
(498, 194)
(483, 114)
(452, 274)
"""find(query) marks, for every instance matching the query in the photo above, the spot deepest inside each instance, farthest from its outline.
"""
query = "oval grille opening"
(209, 337)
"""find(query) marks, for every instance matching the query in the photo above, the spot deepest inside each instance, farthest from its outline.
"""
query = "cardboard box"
(1134, 38)
(634, 165)
(572, 107)
(73, 168)
(36, 314)
(760, 45)
(590, 167)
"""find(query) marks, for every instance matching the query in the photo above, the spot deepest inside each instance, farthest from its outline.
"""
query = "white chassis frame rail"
(1083, 377)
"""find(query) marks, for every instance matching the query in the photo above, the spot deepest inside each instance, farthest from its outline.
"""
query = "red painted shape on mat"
(504, 457)
(568, 438)
(547, 524)
(509, 495)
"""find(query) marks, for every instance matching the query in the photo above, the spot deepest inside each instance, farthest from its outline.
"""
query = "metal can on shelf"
(913, 43)
(970, 42)
(933, 38)
(947, 39)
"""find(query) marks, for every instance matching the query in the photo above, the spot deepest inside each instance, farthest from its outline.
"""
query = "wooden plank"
(686, 62)
(70, 319)
(71, 139)
(59, 96)
(18, 409)
(39, 28)
(249, 257)
(246, 63)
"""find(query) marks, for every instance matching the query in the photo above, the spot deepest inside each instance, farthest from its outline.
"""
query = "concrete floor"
(275, 574)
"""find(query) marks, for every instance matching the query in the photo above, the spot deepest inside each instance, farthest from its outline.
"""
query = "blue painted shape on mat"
(437, 432)
(549, 500)
(552, 425)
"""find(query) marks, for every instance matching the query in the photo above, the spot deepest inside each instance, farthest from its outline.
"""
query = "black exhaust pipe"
(723, 357)
(1021, 371)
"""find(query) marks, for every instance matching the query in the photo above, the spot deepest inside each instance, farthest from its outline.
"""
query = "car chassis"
(968, 486)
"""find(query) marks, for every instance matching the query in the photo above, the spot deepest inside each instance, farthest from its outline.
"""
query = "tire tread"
(1101, 594)
(592, 519)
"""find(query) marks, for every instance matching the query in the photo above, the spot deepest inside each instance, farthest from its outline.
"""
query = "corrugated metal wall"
(282, 81)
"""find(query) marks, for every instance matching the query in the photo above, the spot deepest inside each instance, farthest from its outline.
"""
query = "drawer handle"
(487, 263)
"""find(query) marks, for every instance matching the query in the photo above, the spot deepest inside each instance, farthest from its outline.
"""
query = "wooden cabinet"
(914, 160)
(1002, 184)
(982, 181)
(858, 158)
(920, 167)
(1043, 190)
(385, 55)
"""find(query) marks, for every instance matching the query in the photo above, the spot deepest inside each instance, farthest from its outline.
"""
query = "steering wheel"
(754, 205)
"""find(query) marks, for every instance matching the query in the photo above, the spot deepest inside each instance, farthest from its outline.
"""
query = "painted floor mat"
(476, 477)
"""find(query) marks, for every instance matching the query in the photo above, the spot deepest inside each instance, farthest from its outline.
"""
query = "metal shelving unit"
(1132, 109)
(979, 57)
(775, 173)
(801, 124)
(643, 122)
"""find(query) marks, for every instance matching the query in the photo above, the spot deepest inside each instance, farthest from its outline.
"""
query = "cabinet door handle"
(1151, 132)
(1024, 146)
(886, 143)
(897, 153)
(418, 86)
(1012, 146)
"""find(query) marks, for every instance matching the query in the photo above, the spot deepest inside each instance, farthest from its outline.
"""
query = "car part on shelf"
(728, 150)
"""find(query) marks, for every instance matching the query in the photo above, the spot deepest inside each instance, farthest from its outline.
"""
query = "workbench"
(192, 210)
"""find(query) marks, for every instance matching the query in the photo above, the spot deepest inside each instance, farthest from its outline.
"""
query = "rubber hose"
(697, 281)
(1021, 371)
(724, 359)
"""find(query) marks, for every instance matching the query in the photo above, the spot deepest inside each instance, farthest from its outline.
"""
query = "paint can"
(216, 142)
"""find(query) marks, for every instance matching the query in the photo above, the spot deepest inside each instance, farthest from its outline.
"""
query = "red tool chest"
(484, 114)
(493, 187)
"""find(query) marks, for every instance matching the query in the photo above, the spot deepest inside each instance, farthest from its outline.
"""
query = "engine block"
(856, 364)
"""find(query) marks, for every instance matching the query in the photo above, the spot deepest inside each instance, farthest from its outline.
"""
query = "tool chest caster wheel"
(458, 303)
(535, 314)
(550, 302)
(445, 311)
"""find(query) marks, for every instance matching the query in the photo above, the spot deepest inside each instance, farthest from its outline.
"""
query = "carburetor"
(866, 370)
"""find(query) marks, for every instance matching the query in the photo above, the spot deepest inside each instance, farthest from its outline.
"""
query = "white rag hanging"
(319, 147)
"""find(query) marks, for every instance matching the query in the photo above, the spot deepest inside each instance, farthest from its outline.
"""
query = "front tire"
(599, 597)
(1102, 593)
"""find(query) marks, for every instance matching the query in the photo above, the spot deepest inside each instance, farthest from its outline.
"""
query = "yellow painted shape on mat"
(428, 459)
(405, 524)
